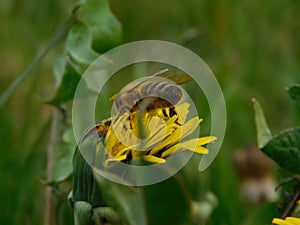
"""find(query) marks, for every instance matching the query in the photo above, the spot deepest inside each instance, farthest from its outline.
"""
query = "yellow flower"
(165, 131)
(287, 221)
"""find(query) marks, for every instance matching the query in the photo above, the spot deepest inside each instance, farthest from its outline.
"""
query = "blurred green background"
(252, 46)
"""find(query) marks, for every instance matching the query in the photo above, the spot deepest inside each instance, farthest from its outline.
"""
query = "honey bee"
(155, 91)
(159, 96)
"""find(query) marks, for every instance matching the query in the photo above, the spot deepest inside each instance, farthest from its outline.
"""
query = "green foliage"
(245, 54)
(154, 204)
(85, 187)
(125, 200)
(82, 213)
(262, 215)
(108, 213)
(160, 201)
(63, 144)
(62, 158)
(284, 148)
(294, 92)
(67, 88)
(56, 38)
(105, 28)
(94, 31)
(263, 131)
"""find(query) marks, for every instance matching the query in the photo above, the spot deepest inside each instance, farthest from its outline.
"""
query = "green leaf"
(125, 200)
(67, 88)
(62, 162)
(262, 129)
(108, 213)
(79, 43)
(294, 92)
(148, 204)
(169, 197)
(58, 69)
(284, 149)
(83, 213)
(262, 214)
(95, 30)
(105, 27)
(85, 187)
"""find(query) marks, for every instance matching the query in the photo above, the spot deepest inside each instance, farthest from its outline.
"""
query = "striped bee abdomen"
(156, 92)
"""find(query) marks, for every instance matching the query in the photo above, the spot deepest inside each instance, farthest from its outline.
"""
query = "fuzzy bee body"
(158, 92)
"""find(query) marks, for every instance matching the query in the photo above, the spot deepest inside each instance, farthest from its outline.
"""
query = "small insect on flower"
(150, 122)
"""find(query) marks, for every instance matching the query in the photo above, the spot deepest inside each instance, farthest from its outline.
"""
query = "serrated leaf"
(94, 30)
(105, 27)
(262, 129)
(79, 43)
(284, 149)
(294, 92)
(125, 200)
(66, 90)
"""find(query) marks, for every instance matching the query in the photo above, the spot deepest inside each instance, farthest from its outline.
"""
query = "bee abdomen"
(158, 92)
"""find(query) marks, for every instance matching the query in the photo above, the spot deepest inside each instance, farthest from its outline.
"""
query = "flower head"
(166, 130)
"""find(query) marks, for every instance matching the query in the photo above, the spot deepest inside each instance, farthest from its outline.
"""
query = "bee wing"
(178, 77)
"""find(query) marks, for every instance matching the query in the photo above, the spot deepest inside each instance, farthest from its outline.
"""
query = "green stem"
(48, 207)
(56, 38)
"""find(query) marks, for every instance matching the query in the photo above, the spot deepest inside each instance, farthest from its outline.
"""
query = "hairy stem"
(48, 217)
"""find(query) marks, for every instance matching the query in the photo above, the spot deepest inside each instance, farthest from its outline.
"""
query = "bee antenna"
(161, 72)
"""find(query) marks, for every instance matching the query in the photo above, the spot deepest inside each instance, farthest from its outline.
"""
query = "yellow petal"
(115, 131)
(287, 221)
(122, 150)
(119, 159)
(169, 151)
(190, 126)
(280, 222)
(153, 159)
(177, 135)
(201, 150)
(206, 140)
(193, 145)
(170, 140)
(293, 220)
(182, 111)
